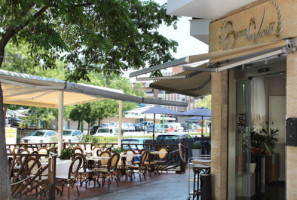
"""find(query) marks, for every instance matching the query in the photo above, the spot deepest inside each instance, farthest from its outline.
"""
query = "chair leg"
(77, 191)
(68, 192)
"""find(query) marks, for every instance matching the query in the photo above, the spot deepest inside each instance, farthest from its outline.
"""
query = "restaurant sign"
(260, 22)
(255, 29)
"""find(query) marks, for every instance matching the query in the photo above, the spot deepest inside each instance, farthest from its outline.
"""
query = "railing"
(30, 146)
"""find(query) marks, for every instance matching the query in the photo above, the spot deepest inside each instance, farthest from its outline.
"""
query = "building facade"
(252, 76)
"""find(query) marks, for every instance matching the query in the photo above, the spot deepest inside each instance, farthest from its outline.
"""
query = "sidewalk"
(173, 188)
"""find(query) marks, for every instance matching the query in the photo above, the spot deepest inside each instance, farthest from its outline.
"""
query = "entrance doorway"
(256, 146)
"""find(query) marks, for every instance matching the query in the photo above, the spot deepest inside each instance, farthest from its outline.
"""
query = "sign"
(265, 22)
(11, 135)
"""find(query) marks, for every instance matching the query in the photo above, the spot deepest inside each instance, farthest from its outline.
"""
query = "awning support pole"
(120, 125)
(60, 122)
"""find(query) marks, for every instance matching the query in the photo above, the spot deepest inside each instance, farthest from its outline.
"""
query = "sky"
(187, 45)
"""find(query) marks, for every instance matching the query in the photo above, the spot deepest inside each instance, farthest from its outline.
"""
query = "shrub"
(67, 153)
(197, 145)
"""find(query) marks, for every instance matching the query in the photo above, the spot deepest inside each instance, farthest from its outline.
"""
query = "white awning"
(30, 90)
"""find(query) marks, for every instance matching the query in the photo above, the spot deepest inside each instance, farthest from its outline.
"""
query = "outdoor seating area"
(36, 171)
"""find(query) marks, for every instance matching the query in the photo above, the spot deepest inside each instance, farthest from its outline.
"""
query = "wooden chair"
(110, 171)
(78, 149)
(104, 162)
(42, 150)
(140, 167)
(130, 154)
(71, 179)
(162, 159)
(96, 151)
(84, 173)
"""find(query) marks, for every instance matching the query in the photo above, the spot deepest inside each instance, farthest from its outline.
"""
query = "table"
(62, 167)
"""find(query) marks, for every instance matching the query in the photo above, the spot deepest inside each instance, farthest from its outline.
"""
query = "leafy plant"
(117, 150)
(67, 153)
(196, 145)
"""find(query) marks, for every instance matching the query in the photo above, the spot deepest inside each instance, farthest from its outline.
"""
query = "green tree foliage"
(204, 102)
(103, 36)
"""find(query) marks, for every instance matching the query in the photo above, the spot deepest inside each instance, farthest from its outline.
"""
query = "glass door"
(243, 168)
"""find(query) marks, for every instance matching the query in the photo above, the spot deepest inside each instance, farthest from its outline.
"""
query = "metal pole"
(202, 127)
(163, 120)
(154, 128)
(120, 125)
(60, 122)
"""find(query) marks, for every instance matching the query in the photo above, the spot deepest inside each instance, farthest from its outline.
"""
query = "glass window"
(67, 133)
(37, 133)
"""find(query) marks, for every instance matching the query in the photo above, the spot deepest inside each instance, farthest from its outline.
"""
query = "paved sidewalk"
(173, 188)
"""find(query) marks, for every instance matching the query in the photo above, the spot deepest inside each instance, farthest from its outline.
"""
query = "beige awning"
(215, 57)
(29, 90)
(196, 84)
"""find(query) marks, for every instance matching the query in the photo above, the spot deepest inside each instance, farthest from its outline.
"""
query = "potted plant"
(196, 149)
(66, 153)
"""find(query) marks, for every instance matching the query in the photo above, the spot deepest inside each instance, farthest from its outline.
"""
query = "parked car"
(172, 136)
(185, 126)
(158, 128)
(138, 127)
(93, 129)
(177, 127)
(145, 124)
(131, 127)
(104, 125)
(107, 132)
(134, 142)
(71, 135)
(39, 136)
(113, 124)
(168, 128)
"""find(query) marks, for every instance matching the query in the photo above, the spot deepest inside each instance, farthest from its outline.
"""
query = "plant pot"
(196, 152)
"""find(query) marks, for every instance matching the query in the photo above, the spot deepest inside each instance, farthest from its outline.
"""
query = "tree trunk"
(88, 128)
(5, 192)
(99, 121)
(78, 125)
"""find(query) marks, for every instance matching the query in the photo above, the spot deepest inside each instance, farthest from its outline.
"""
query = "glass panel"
(242, 143)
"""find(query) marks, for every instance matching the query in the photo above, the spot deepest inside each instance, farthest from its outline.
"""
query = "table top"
(97, 158)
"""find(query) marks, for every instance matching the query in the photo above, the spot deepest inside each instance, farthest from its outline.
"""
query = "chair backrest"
(104, 154)
(78, 149)
(97, 150)
(144, 157)
(129, 156)
(163, 153)
(84, 164)
(113, 161)
(32, 165)
(74, 167)
(42, 150)
(181, 152)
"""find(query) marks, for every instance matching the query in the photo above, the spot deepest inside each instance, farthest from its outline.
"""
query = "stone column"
(291, 158)
(219, 120)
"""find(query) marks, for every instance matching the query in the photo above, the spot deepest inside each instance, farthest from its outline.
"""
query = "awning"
(196, 84)
(30, 90)
(215, 57)
(198, 81)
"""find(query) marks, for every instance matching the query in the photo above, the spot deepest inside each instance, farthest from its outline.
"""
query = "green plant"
(67, 153)
(117, 150)
(196, 145)
(86, 138)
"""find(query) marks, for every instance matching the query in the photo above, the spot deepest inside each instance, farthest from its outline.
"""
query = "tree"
(204, 102)
(103, 35)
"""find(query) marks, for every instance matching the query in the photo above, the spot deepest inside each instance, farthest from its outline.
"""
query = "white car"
(107, 132)
(39, 136)
(70, 135)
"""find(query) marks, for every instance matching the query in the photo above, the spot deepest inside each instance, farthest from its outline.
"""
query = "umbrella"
(159, 110)
(199, 113)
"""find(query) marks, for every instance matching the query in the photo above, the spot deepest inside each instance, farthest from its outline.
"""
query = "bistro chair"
(84, 173)
(104, 162)
(162, 159)
(78, 149)
(129, 155)
(96, 151)
(42, 150)
(70, 180)
(141, 168)
(110, 171)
